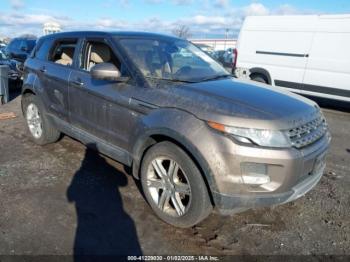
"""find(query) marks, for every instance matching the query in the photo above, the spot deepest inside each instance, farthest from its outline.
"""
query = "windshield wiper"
(215, 77)
(169, 79)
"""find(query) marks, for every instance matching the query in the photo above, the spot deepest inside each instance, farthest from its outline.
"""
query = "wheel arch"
(263, 72)
(160, 135)
(26, 90)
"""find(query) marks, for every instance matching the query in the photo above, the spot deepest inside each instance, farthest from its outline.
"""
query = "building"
(216, 44)
(51, 28)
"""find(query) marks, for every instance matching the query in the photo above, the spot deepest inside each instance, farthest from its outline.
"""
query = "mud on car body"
(195, 137)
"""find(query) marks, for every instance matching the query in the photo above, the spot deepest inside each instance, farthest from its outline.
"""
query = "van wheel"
(173, 186)
(259, 78)
(41, 130)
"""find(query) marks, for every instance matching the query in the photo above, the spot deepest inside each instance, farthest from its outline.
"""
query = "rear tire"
(186, 201)
(39, 126)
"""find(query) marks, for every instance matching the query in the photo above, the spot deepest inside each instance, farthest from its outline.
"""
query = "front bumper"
(238, 203)
(292, 172)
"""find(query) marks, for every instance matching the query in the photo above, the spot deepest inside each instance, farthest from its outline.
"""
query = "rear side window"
(43, 50)
(63, 52)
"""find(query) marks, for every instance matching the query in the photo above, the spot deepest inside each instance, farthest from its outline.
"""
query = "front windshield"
(169, 60)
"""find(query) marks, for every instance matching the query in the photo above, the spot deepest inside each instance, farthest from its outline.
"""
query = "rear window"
(63, 52)
(15, 44)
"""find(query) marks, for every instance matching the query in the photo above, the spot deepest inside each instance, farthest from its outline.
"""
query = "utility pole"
(226, 37)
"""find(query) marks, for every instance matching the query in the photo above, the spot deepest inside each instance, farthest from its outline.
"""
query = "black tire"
(259, 78)
(49, 133)
(199, 207)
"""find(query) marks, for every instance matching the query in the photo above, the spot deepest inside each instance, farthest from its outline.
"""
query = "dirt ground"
(62, 199)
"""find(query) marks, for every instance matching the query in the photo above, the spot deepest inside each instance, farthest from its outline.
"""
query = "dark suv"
(196, 137)
(20, 48)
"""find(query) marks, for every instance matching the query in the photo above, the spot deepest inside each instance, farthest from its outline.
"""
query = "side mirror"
(106, 71)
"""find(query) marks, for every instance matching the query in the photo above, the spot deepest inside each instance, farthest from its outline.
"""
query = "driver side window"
(98, 53)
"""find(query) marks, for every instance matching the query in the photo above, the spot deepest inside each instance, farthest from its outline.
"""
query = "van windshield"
(172, 60)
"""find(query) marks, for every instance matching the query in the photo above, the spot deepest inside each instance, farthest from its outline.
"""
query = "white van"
(307, 54)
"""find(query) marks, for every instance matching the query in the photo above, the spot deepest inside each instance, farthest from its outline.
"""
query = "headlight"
(261, 137)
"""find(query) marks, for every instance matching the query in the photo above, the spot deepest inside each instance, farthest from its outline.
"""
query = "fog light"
(254, 174)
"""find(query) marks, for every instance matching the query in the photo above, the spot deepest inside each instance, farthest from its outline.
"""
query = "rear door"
(53, 72)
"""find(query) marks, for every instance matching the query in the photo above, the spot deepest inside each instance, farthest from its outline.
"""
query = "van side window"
(63, 52)
(97, 53)
(43, 50)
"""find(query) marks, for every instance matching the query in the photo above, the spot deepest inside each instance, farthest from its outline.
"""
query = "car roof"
(120, 34)
(24, 38)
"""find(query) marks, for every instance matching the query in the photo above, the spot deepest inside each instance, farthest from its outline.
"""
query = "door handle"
(43, 69)
(77, 83)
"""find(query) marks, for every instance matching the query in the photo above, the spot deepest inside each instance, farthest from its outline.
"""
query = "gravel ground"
(62, 199)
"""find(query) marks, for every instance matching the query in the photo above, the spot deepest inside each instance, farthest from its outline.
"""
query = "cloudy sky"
(206, 18)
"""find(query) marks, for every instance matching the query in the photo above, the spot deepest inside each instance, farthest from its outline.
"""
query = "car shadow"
(103, 226)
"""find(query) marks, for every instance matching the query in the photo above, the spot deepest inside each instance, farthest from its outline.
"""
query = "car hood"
(239, 103)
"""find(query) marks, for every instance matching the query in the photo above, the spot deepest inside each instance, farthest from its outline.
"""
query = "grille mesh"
(308, 133)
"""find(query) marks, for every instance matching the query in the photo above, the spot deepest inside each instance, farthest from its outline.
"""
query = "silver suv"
(196, 137)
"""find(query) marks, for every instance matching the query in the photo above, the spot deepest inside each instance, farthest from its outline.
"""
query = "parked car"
(206, 48)
(219, 56)
(306, 54)
(14, 69)
(196, 137)
(2, 47)
(229, 57)
(20, 48)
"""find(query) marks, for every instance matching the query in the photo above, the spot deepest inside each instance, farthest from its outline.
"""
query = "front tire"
(40, 128)
(174, 186)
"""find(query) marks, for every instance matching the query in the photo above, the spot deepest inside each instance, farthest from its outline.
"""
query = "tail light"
(234, 62)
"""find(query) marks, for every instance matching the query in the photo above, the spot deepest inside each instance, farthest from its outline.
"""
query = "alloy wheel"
(34, 121)
(169, 186)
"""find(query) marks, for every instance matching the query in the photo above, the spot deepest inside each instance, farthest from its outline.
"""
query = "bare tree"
(182, 31)
(29, 36)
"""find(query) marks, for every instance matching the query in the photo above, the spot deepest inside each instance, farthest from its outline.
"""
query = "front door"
(100, 107)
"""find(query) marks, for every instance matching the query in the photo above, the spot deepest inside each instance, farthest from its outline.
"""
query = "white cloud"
(17, 4)
(221, 3)
(256, 9)
(182, 2)
(202, 23)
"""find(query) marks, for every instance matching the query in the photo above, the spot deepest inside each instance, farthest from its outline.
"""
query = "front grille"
(308, 133)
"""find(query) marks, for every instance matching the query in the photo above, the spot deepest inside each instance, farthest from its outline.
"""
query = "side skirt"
(86, 138)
